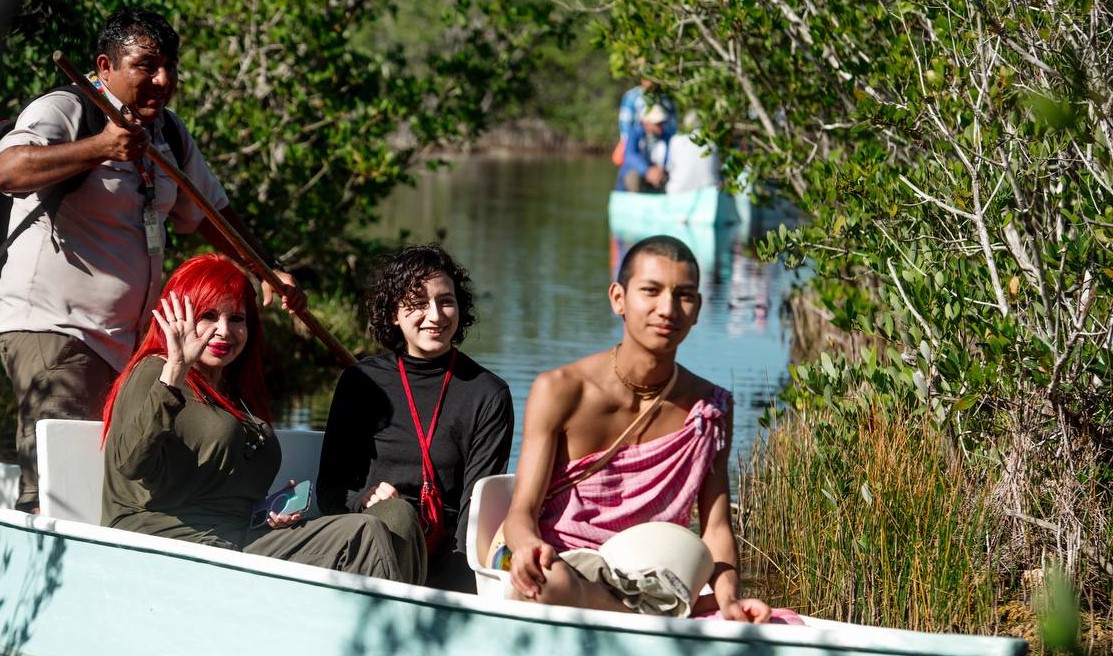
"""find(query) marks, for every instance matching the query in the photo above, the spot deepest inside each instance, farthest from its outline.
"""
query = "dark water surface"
(534, 235)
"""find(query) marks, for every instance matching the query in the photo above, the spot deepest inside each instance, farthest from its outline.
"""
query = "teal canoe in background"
(711, 222)
(712, 246)
(702, 207)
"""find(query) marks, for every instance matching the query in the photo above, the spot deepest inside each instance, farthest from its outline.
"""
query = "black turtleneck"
(370, 435)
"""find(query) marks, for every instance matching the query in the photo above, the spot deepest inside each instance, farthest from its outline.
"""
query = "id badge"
(153, 229)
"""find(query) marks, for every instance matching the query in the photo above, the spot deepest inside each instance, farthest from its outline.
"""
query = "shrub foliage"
(954, 158)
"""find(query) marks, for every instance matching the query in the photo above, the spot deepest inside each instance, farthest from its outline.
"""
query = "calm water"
(534, 235)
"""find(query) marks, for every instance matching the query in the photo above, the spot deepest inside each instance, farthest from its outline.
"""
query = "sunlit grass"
(879, 527)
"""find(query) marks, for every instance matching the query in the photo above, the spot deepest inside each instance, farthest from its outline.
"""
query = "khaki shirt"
(87, 272)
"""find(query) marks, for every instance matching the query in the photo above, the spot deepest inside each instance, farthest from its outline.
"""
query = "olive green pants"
(358, 544)
(54, 377)
(406, 537)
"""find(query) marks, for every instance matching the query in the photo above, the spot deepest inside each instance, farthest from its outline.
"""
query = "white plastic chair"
(490, 501)
(71, 466)
(71, 469)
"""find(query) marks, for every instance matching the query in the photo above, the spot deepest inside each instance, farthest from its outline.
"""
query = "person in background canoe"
(83, 270)
(646, 154)
(410, 431)
(691, 166)
(188, 445)
(633, 105)
(674, 462)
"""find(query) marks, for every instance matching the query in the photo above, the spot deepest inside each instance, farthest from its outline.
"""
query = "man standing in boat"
(674, 460)
(87, 229)
(646, 153)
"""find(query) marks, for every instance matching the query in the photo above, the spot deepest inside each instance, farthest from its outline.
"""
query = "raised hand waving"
(183, 343)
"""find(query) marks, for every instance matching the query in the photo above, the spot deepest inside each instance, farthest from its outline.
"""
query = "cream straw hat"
(661, 546)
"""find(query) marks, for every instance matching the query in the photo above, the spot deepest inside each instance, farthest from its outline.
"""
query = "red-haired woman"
(188, 446)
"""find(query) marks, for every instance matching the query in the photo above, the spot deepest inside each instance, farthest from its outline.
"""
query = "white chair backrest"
(71, 466)
(490, 501)
(71, 469)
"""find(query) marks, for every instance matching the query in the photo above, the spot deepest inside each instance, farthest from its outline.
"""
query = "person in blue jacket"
(646, 154)
(633, 106)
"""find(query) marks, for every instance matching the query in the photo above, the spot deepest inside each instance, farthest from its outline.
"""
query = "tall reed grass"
(880, 526)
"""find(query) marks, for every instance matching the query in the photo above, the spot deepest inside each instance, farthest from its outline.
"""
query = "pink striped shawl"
(654, 481)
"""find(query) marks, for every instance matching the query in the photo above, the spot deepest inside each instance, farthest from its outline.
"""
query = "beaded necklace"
(641, 391)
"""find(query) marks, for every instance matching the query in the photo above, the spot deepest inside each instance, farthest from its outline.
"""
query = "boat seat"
(490, 501)
(71, 466)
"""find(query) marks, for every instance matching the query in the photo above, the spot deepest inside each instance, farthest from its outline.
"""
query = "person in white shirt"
(691, 166)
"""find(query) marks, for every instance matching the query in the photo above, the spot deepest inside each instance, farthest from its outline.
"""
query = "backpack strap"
(172, 134)
(31, 217)
(6, 126)
(92, 122)
(93, 119)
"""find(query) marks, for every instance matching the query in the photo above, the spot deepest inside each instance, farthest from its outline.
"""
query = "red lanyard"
(147, 175)
(426, 438)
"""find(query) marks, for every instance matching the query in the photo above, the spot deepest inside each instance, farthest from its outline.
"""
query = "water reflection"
(534, 235)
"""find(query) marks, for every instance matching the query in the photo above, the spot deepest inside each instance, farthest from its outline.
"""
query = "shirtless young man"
(579, 409)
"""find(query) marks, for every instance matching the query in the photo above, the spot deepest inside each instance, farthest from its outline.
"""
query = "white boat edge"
(820, 637)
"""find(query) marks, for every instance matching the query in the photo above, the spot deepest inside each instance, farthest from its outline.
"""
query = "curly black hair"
(401, 277)
(125, 25)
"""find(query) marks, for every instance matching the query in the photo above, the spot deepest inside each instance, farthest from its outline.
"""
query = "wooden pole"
(245, 251)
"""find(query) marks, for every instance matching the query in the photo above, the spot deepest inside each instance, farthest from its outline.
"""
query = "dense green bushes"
(311, 113)
(955, 160)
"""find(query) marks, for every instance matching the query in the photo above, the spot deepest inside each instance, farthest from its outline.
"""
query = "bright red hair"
(210, 281)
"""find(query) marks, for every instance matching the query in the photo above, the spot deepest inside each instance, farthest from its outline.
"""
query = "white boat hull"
(71, 588)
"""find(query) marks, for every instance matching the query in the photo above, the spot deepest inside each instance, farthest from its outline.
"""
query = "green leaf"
(828, 365)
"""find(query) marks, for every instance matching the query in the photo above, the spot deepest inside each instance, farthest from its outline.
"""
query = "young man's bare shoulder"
(696, 386)
(559, 395)
(572, 378)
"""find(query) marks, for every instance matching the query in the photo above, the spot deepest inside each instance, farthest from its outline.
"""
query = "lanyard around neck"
(423, 437)
(144, 165)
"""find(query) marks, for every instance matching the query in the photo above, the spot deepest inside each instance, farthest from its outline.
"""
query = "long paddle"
(245, 251)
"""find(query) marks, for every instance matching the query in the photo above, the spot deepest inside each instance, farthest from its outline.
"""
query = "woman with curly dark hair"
(410, 431)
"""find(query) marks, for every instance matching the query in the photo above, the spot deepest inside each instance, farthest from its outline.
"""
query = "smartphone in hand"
(287, 501)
